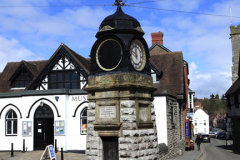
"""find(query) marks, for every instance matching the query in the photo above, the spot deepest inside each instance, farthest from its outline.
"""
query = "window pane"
(60, 77)
(10, 115)
(84, 113)
(84, 126)
(60, 85)
(154, 77)
(14, 114)
(67, 85)
(74, 76)
(9, 127)
(74, 86)
(67, 76)
(16, 84)
(21, 83)
(53, 86)
(26, 83)
(53, 77)
(14, 127)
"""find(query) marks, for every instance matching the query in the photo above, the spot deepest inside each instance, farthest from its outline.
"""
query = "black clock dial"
(109, 54)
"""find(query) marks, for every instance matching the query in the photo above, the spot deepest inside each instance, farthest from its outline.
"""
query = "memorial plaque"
(107, 112)
(143, 114)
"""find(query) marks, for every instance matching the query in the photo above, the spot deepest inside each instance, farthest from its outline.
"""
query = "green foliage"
(214, 105)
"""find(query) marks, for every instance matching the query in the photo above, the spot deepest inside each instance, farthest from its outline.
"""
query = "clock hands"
(135, 53)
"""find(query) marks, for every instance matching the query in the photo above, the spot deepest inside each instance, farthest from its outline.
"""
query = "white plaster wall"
(72, 140)
(160, 105)
(200, 116)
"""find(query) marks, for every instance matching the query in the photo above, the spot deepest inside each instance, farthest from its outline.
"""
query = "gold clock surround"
(143, 62)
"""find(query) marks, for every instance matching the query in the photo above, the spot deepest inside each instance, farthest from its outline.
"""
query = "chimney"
(157, 37)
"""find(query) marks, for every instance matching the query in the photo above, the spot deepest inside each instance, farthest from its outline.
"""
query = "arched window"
(83, 121)
(11, 123)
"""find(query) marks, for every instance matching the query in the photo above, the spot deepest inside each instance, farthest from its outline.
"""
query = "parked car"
(221, 135)
(214, 130)
(206, 138)
(213, 134)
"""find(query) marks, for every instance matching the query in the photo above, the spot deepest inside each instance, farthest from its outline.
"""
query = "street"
(217, 150)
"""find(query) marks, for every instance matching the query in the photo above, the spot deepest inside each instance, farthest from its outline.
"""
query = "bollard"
(56, 146)
(23, 145)
(12, 150)
(61, 153)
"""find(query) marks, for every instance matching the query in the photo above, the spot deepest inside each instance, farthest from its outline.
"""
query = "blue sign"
(51, 151)
(186, 129)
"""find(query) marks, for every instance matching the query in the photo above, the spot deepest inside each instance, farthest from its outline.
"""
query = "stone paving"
(36, 155)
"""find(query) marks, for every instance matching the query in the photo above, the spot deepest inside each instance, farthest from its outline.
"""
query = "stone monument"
(121, 117)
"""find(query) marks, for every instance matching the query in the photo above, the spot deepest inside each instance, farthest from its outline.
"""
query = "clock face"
(109, 54)
(137, 55)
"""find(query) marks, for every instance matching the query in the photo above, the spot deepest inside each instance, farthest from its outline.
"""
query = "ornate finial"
(119, 3)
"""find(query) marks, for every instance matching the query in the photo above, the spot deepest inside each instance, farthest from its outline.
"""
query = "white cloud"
(11, 48)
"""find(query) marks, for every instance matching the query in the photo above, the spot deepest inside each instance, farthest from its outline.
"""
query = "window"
(83, 121)
(172, 115)
(204, 122)
(195, 122)
(64, 79)
(21, 81)
(154, 76)
(205, 130)
(196, 131)
(11, 123)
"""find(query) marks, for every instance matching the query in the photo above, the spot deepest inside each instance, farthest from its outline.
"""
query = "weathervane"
(119, 3)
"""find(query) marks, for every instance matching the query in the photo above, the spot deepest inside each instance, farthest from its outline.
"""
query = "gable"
(34, 66)
(21, 75)
(64, 62)
(200, 113)
(158, 48)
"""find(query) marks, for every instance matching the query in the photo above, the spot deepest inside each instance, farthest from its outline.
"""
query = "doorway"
(43, 127)
(110, 148)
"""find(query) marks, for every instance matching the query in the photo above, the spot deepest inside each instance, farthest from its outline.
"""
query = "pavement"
(36, 155)
(191, 155)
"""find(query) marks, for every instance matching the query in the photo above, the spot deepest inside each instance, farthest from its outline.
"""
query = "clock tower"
(121, 116)
(120, 46)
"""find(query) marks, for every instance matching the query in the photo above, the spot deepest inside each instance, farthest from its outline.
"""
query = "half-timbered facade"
(43, 102)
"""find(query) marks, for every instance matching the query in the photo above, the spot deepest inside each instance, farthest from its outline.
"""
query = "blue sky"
(34, 33)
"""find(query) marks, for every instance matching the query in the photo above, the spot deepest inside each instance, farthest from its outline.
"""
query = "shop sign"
(186, 130)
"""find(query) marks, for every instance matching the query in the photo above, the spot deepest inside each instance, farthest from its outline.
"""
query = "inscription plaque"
(143, 114)
(107, 112)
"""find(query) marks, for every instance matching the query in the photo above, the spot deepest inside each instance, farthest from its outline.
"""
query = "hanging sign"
(49, 152)
(186, 130)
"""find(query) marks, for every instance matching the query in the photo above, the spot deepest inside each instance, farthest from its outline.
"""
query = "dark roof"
(171, 65)
(34, 66)
(120, 20)
(161, 46)
(234, 88)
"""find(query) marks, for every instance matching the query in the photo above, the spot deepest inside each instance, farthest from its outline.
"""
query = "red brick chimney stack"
(157, 37)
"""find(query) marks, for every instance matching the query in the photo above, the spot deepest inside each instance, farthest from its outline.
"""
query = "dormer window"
(154, 76)
(22, 80)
